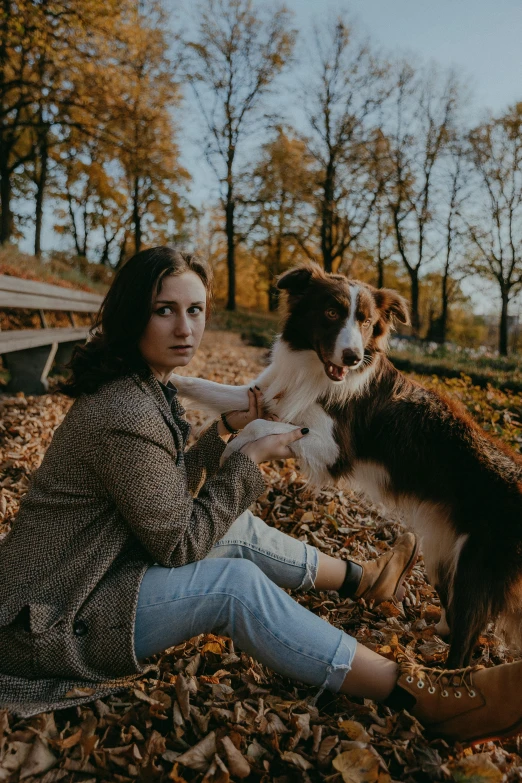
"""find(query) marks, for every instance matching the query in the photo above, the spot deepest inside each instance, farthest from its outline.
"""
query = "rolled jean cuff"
(311, 567)
(341, 664)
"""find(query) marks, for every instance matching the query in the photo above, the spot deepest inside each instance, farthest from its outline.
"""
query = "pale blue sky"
(482, 38)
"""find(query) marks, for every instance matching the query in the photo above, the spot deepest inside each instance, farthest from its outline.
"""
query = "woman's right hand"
(273, 446)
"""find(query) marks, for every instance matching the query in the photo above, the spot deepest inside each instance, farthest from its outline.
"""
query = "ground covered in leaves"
(210, 713)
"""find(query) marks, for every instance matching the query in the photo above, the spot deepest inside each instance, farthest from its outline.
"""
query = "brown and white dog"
(374, 429)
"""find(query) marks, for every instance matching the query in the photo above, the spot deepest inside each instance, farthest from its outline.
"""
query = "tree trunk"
(414, 295)
(231, 248)
(503, 326)
(123, 251)
(327, 218)
(136, 217)
(273, 298)
(6, 220)
(443, 321)
(40, 189)
(380, 273)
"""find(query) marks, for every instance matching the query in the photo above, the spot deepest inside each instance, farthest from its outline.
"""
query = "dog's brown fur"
(430, 451)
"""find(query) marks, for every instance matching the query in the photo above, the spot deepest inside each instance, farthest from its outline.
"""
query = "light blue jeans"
(236, 592)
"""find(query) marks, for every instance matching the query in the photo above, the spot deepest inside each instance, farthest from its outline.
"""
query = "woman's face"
(176, 325)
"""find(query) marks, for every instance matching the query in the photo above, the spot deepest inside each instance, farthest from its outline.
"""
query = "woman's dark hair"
(113, 348)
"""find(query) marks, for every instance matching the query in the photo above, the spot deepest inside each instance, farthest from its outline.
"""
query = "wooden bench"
(29, 354)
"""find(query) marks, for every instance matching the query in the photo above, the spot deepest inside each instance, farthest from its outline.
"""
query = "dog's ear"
(392, 305)
(297, 280)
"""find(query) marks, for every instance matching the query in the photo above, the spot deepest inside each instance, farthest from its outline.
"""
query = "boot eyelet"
(457, 694)
(472, 694)
(409, 679)
(420, 684)
(444, 694)
(431, 689)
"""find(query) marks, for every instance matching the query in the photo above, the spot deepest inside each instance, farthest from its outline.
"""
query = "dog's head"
(346, 322)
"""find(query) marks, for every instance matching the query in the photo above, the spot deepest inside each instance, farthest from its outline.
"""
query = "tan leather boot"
(382, 578)
(471, 705)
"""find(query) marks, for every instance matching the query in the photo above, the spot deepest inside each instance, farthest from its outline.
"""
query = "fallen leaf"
(326, 747)
(296, 759)
(360, 765)
(476, 769)
(354, 731)
(200, 755)
(39, 760)
(76, 693)
(237, 763)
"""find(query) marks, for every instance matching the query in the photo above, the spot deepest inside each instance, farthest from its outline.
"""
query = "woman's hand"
(273, 446)
(239, 419)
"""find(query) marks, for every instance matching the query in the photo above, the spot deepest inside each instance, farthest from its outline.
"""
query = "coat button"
(80, 627)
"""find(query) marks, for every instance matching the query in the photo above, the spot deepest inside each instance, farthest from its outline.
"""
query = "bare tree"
(496, 152)
(348, 86)
(420, 130)
(238, 51)
(455, 252)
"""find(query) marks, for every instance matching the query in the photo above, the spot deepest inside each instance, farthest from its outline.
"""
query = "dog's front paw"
(256, 429)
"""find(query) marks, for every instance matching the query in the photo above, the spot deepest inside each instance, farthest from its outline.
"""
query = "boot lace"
(446, 680)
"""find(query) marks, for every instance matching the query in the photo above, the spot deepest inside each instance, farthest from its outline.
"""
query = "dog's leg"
(255, 430)
(315, 451)
(472, 603)
(213, 397)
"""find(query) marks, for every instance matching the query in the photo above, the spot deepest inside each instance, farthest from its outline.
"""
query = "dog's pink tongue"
(336, 372)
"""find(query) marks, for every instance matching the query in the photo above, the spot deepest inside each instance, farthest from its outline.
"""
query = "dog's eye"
(332, 314)
(367, 323)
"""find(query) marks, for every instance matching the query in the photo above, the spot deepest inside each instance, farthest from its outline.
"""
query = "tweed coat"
(115, 493)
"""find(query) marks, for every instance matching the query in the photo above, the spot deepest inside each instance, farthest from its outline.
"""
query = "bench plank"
(15, 292)
(20, 339)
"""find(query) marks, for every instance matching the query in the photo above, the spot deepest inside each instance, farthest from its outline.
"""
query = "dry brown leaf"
(217, 772)
(199, 757)
(39, 760)
(476, 769)
(296, 759)
(13, 757)
(388, 609)
(76, 693)
(255, 751)
(236, 762)
(326, 747)
(275, 725)
(67, 742)
(173, 775)
(183, 694)
(212, 647)
(354, 731)
(193, 665)
(360, 765)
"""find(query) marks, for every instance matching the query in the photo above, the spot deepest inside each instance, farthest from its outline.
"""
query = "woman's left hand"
(239, 419)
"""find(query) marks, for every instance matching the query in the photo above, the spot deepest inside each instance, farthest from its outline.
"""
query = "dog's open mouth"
(334, 372)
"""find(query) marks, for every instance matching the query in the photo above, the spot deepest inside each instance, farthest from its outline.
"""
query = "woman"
(126, 544)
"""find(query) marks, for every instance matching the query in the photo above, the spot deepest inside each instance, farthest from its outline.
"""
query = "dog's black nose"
(350, 358)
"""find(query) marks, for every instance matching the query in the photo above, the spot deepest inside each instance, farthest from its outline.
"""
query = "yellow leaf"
(354, 731)
(476, 769)
(213, 647)
(308, 516)
(360, 766)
